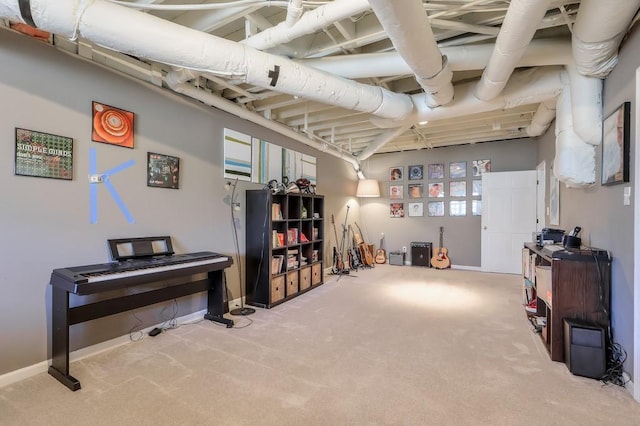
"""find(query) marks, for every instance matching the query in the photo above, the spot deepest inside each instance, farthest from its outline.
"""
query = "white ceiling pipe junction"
(520, 24)
(176, 80)
(157, 39)
(310, 22)
(407, 25)
(597, 32)
(460, 58)
(524, 87)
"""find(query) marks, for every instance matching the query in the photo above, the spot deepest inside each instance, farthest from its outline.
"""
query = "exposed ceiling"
(356, 46)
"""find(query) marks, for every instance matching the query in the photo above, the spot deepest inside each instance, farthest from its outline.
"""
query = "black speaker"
(421, 254)
(584, 348)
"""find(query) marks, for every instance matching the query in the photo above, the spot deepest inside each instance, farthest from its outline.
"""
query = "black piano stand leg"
(219, 318)
(59, 367)
(66, 379)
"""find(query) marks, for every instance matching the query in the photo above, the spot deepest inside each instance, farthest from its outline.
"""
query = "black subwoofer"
(584, 348)
(421, 254)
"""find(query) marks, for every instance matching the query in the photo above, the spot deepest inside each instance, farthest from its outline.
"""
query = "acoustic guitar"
(381, 254)
(366, 253)
(440, 259)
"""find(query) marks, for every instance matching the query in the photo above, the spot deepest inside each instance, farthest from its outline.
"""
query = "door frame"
(636, 251)
(541, 196)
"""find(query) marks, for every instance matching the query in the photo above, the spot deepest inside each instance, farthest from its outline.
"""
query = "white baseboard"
(42, 367)
(466, 268)
(629, 386)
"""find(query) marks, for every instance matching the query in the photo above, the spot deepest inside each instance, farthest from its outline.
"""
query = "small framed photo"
(396, 173)
(457, 208)
(163, 171)
(436, 171)
(111, 125)
(395, 192)
(476, 188)
(416, 190)
(436, 190)
(396, 210)
(416, 172)
(481, 167)
(615, 146)
(416, 209)
(476, 207)
(458, 188)
(435, 208)
(43, 155)
(458, 169)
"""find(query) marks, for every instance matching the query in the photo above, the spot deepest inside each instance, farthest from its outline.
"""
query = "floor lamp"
(235, 206)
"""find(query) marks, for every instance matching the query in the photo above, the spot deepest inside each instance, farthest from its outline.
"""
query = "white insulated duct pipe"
(542, 118)
(460, 58)
(586, 105)
(407, 25)
(380, 141)
(176, 80)
(575, 160)
(157, 39)
(597, 32)
(519, 25)
(310, 22)
(524, 87)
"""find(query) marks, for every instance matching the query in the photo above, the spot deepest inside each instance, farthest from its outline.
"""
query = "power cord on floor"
(614, 374)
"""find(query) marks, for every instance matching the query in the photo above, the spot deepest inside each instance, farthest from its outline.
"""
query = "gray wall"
(461, 234)
(44, 223)
(606, 223)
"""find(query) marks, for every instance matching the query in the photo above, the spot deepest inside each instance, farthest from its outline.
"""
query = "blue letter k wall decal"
(95, 178)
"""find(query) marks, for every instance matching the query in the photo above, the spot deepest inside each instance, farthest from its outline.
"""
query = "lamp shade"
(368, 188)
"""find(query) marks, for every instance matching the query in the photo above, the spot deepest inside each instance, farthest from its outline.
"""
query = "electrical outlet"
(96, 179)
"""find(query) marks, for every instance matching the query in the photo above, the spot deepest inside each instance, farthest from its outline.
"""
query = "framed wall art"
(395, 192)
(395, 173)
(436, 190)
(476, 188)
(111, 125)
(480, 167)
(416, 190)
(458, 188)
(615, 146)
(43, 155)
(457, 208)
(416, 172)
(458, 169)
(163, 171)
(416, 209)
(436, 171)
(435, 208)
(396, 210)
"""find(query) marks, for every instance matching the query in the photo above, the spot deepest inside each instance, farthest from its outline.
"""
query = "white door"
(508, 219)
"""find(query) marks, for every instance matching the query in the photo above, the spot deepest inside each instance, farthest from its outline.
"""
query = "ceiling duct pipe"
(597, 32)
(176, 80)
(525, 87)
(519, 25)
(380, 141)
(407, 25)
(575, 160)
(586, 105)
(150, 37)
(542, 118)
(310, 22)
(460, 58)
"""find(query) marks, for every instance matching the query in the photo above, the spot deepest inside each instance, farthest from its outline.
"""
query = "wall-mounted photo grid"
(437, 189)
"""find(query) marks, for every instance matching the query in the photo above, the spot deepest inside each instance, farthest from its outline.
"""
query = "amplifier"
(584, 348)
(421, 254)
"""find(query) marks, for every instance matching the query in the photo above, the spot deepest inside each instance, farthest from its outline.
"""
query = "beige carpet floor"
(393, 346)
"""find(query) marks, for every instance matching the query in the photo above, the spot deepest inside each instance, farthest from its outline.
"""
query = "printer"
(550, 234)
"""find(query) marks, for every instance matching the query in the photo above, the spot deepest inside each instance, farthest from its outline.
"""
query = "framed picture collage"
(437, 189)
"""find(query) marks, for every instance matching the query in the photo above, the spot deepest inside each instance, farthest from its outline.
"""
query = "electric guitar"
(381, 254)
(338, 262)
(440, 259)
